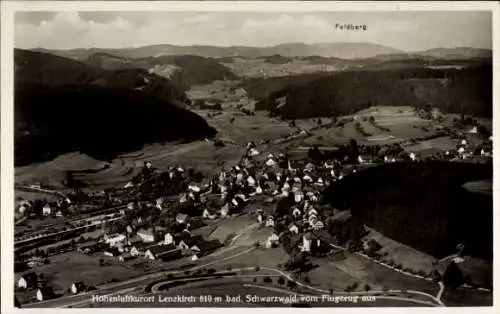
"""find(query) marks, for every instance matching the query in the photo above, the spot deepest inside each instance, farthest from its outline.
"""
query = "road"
(120, 287)
(39, 190)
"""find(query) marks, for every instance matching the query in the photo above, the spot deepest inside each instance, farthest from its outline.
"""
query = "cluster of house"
(466, 150)
(41, 290)
(48, 208)
(152, 245)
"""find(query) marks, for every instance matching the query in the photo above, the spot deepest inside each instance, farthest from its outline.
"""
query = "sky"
(408, 31)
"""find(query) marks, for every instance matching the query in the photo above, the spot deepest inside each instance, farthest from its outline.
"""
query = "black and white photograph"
(286, 157)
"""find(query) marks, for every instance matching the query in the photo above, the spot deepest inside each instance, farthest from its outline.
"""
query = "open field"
(231, 226)
(260, 257)
(403, 254)
(378, 275)
(67, 268)
(259, 67)
(399, 123)
(329, 276)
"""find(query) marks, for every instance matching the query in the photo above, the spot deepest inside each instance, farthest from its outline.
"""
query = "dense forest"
(51, 70)
(98, 121)
(422, 205)
(467, 90)
(183, 71)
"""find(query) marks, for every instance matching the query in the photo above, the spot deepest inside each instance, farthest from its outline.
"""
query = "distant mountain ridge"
(183, 71)
(342, 50)
(52, 70)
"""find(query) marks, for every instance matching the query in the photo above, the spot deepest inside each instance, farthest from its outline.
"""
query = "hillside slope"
(62, 105)
(99, 121)
(51, 70)
(450, 90)
(183, 71)
(422, 205)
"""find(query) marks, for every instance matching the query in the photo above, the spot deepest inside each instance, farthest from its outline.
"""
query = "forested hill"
(422, 205)
(99, 121)
(468, 90)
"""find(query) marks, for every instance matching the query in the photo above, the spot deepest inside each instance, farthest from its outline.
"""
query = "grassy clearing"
(258, 67)
(438, 144)
(231, 225)
(31, 196)
(260, 257)
(403, 254)
(328, 276)
(67, 268)
(379, 275)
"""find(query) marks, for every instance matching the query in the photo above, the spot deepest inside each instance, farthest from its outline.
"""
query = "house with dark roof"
(93, 248)
(181, 218)
(205, 247)
(163, 252)
(139, 248)
(187, 242)
(181, 237)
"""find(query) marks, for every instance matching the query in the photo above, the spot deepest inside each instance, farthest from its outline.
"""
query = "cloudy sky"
(408, 31)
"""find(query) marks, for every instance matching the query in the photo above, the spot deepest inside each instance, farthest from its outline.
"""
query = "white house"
(253, 152)
(146, 236)
(485, 153)
(306, 244)
(22, 209)
(251, 181)
(270, 222)
(224, 211)
(44, 293)
(130, 206)
(183, 199)
(270, 163)
(77, 287)
(46, 210)
(182, 245)
(181, 218)
(312, 212)
(307, 178)
(194, 188)
(194, 258)
(128, 185)
(207, 214)
(259, 218)
(21, 283)
(296, 212)
(294, 229)
(317, 224)
(272, 240)
(413, 157)
(473, 130)
(258, 190)
(168, 238)
(464, 142)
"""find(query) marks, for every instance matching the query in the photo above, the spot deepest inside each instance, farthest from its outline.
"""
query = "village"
(162, 217)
